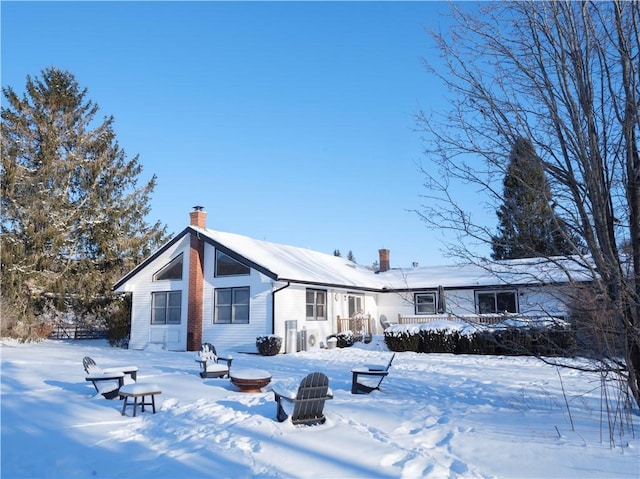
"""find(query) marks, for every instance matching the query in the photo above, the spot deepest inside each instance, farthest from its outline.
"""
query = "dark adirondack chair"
(308, 402)
(90, 366)
(212, 365)
(372, 376)
(107, 381)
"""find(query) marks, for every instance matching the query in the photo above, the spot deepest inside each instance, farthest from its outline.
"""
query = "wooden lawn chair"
(212, 365)
(308, 402)
(372, 376)
(107, 381)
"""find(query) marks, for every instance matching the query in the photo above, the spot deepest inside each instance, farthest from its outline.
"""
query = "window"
(494, 302)
(425, 303)
(166, 307)
(232, 305)
(316, 305)
(227, 266)
(172, 270)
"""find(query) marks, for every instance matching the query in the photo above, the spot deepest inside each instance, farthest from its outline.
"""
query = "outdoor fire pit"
(250, 380)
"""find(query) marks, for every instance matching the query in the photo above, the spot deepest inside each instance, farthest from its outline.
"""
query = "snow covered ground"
(437, 416)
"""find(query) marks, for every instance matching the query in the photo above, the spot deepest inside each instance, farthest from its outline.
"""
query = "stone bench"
(139, 390)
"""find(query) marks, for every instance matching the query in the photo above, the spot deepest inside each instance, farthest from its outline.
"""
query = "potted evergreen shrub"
(269, 345)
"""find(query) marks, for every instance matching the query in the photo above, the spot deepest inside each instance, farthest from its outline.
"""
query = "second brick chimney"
(384, 260)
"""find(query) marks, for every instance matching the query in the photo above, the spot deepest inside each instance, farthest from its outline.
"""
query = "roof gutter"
(350, 287)
(273, 305)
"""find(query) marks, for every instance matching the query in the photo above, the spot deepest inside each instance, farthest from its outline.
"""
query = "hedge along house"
(224, 288)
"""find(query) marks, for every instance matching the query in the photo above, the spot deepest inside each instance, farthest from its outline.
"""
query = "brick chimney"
(198, 217)
(195, 301)
(384, 259)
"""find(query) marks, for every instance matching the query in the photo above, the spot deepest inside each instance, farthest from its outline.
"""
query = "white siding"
(371, 309)
(142, 285)
(534, 301)
(291, 306)
(543, 301)
(235, 337)
(392, 304)
(458, 302)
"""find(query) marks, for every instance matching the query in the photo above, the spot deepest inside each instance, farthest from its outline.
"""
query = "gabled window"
(172, 270)
(425, 303)
(496, 302)
(232, 305)
(166, 307)
(316, 305)
(227, 266)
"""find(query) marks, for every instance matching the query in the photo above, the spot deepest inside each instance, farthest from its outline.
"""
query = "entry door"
(356, 304)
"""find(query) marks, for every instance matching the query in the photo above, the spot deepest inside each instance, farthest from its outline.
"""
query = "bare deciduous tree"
(566, 76)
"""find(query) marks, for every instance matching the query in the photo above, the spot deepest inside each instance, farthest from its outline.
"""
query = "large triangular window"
(227, 266)
(172, 270)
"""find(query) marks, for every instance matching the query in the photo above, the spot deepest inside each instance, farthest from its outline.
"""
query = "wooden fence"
(77, 331)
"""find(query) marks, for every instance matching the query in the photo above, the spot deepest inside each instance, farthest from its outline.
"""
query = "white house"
(227, 289)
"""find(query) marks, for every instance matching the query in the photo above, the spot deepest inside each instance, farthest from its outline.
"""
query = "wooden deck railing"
(470, 318)
(422, 319)
(357, 324)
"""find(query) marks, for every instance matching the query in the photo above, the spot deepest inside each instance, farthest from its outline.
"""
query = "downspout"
(273, 305)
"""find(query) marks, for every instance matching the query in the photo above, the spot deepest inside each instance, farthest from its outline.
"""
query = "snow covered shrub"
(553, 341)
(360, 337)
(438, 341)
(119, 322)
(453, 341)
(475, 343)
(345, 339)
(522, 339)
(535, 341)
(399, 341)
(19, 324)
(118, 327)
(268, 345)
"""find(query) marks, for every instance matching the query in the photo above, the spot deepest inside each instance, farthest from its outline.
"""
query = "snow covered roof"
(292, 263)
(301, 265)
(527, 271)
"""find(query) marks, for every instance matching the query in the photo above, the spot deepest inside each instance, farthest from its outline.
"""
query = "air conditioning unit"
(312, 339)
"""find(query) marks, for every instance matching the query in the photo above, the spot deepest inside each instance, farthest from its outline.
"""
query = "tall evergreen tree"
(73, 214)
(528, 225)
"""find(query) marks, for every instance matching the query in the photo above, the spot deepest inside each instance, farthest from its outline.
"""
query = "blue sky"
(288, 121)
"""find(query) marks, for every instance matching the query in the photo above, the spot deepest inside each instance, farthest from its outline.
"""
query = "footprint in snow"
(416, 467)
(391, 458)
